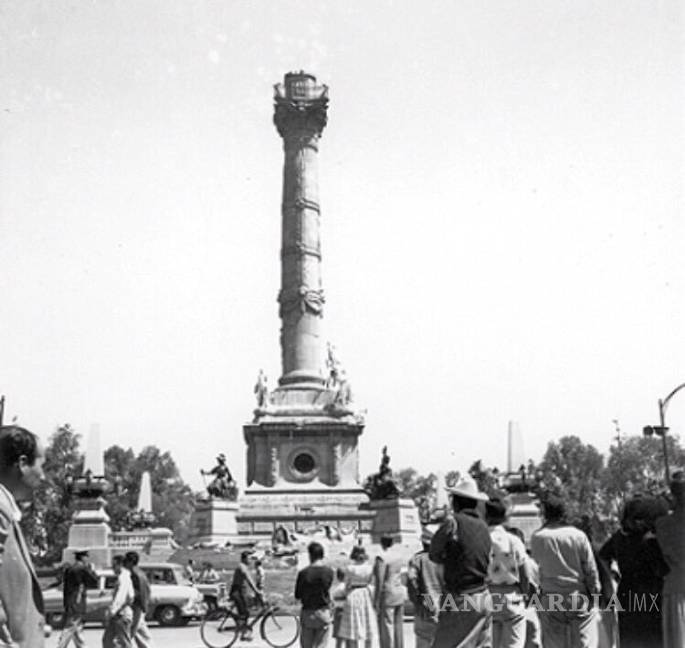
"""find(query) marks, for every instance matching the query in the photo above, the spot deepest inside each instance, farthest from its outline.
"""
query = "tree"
(487, 479)
(47, 521)
(573, 470)
(637, 466)
(172, 499)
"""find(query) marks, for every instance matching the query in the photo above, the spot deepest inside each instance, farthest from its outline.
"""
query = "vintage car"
(173, 599)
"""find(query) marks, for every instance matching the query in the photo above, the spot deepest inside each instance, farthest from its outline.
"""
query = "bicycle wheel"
(280, 629)
(220, 629)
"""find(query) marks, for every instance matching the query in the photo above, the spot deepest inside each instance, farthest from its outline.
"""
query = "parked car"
(173, 599)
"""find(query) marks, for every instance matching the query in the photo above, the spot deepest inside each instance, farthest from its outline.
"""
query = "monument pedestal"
(214, 521)
(90, 532)
(303, 466)
(397, 519)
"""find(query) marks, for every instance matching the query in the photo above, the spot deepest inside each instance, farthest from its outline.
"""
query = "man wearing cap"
(78, 577)
(424, 589)
(670, 534)
(508, 578)
(568, 572)
(462, 546)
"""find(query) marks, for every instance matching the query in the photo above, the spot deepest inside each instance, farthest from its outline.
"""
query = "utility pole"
(619, 451)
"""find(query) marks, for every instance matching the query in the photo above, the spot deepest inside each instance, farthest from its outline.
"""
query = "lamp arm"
(665, 401)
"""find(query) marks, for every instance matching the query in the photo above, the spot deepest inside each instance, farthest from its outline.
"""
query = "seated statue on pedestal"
(222, 486)
(383, 486)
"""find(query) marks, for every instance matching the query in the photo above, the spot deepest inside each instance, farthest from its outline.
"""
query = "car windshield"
(181, 578)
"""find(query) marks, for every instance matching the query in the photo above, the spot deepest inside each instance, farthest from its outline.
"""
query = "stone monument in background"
(90, 528)
(214, 519)
(302, 444)
(519, 482)
(395, 517)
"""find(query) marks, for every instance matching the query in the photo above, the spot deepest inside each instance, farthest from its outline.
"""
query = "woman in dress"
(358, 622)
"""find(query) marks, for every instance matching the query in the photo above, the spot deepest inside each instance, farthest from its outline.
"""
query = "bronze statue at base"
(223, 485)
(383, 485)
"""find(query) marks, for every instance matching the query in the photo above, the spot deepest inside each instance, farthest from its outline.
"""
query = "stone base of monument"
(214, 522)
(398, 519)
(263, 510)
(90, 532)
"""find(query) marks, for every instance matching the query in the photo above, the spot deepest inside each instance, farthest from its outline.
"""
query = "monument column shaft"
(301, 260)
(300, 117)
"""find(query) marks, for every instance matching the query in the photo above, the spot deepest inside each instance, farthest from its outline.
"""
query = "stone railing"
(134, 540)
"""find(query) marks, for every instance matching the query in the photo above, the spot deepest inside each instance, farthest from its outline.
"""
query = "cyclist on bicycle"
(242, 590)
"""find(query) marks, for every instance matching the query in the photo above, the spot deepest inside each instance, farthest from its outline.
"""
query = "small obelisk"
(515, 453)
(90, 529)
(145, 495)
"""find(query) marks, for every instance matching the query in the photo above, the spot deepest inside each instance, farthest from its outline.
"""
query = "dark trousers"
(118, 633)
(467, 623)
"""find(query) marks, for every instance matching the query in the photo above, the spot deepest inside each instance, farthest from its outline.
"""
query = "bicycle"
(221, 627)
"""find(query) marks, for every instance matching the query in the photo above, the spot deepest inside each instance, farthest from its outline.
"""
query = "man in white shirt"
(568, 572)
(508, 579)
(119, 614)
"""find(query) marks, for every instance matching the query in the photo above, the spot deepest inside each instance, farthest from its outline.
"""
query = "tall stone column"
(300, 117)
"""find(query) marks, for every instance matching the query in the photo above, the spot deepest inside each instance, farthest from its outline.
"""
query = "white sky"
(502, 194)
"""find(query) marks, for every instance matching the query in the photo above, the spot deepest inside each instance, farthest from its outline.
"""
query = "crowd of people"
(475, 584)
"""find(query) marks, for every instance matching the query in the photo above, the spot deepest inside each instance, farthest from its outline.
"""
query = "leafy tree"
(47, 521)
(573, 470)
(637, 466)
(172, 499)
(487, 479)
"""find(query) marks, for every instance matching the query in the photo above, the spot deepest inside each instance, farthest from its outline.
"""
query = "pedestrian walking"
(358, 621)
(508, 579)
(568, 573)
(670, 533)
(462, 546)
(389, 595)
(425, 590)
(21, 602)
(78, 577)
(140, 633)
(119, 614)
(260, 576)
(189, 570)
(312, 589)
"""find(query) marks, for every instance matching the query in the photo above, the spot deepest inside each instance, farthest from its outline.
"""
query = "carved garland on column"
(303, 299)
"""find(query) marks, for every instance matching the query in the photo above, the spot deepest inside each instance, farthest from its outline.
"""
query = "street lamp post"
(662, 430)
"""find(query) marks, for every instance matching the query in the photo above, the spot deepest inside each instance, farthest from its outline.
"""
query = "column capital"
(301, 106)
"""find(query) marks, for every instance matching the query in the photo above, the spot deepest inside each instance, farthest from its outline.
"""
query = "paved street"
(189, 637)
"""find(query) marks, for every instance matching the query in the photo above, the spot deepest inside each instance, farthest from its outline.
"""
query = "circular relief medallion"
(303, 464)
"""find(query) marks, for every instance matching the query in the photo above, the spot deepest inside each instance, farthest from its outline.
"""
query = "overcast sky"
(502, 218)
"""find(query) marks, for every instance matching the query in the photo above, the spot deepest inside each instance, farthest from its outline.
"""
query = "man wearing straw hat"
(425, 589)
(462, 546)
